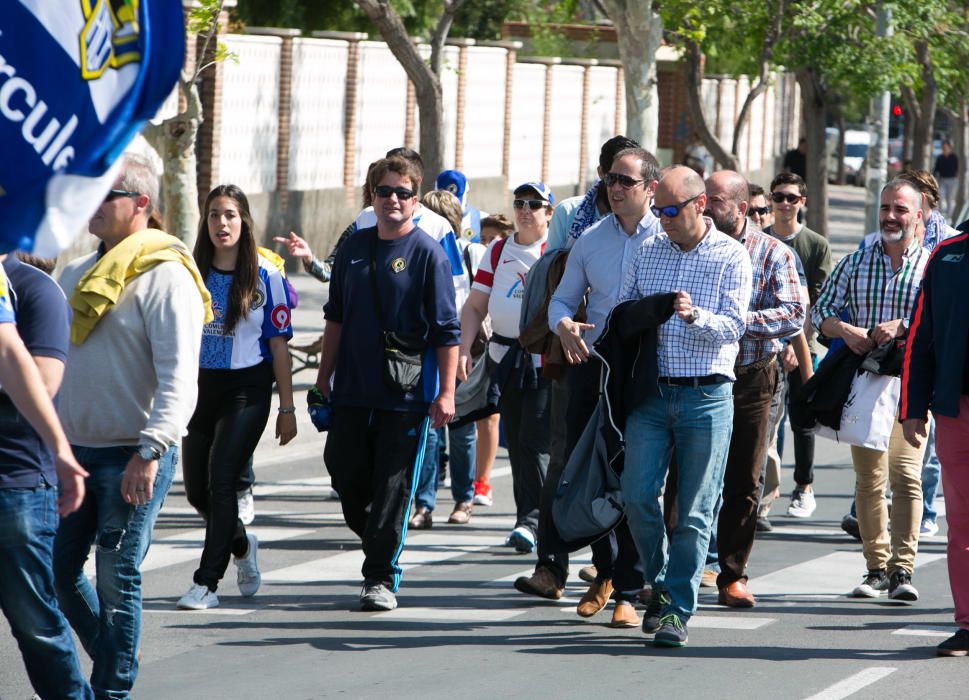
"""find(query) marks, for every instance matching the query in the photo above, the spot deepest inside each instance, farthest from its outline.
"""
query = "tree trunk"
(639, 32)
(174, 140)
(960, 147)
(840, 179)
(427, 85)
(922, 144)
(813, 98)
(694, 85)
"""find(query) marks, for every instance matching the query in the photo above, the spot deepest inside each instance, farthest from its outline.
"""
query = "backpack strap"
(496, 253)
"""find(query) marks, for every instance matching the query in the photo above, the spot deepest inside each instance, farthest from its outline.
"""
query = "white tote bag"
(869, 413)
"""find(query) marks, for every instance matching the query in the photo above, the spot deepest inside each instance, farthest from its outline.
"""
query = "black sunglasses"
(402, 193)
(533, 204)
(625, 181)
(779, 197)
(763, 211)
(672, 211)
(115, 194)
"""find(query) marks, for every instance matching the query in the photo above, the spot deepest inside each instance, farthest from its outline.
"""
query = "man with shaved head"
(691, 409)
(777, 309)
(876, 287)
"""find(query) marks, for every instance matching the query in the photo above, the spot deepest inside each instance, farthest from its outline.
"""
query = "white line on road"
(457, 615)
(852, 684)
(927, 630)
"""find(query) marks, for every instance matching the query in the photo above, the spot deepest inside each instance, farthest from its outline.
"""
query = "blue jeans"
(28, 521)
(697, 422)
(108, 619)
(930, 476)
(461, 447)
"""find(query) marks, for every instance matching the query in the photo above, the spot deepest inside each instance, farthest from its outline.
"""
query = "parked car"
(856, 148)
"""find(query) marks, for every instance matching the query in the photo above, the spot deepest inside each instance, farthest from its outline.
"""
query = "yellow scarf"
(101, 286)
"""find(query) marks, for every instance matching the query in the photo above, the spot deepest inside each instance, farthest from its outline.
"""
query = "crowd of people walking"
(637, 346)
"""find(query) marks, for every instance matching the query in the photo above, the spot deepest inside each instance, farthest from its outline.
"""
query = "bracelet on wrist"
(291, 409)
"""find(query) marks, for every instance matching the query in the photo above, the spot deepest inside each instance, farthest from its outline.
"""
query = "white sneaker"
(802, 504)
(199, 597)
(247, 575)
(929, 528)
(247, 506)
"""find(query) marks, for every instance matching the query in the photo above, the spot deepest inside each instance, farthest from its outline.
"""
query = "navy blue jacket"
(935, 358)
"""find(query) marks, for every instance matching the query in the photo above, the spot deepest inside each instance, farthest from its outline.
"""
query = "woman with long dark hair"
(243, 351)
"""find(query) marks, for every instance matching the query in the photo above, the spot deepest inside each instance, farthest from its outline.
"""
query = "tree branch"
(694, 88)
(771, 37)
(439, 35)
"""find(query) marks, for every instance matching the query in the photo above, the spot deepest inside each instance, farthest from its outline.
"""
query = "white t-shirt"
(462, 288)
(505, 287)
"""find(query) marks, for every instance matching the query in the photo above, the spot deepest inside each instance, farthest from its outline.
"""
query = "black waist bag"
(403, 360)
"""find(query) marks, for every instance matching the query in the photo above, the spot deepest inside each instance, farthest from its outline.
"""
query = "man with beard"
(876, 287)
(777, 309)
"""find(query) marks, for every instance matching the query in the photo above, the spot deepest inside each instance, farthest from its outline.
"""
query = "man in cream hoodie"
(129, 389)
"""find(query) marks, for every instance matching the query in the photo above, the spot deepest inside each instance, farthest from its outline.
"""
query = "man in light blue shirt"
(597, 264)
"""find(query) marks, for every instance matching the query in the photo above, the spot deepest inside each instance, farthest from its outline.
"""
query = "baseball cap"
(453, 181)
(540, 188)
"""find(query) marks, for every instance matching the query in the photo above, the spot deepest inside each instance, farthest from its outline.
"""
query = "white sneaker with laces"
(929, 528)
(247, 575)
(247, 506)
(802, 505)
(199, 597)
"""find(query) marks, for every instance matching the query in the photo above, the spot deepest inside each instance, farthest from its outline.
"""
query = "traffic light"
(896, 122)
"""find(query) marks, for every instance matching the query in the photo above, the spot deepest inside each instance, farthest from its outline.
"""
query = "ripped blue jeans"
(107, 618)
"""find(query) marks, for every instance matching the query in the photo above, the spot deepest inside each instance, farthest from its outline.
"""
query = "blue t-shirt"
(417, 296)
(247, 344)
(43, 321)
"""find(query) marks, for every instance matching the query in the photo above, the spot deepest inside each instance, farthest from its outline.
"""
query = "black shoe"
(672, 632)
(654, 611)
(956, 645)
(900, 587)
(849, 524)
(763, 525)
(875, 582)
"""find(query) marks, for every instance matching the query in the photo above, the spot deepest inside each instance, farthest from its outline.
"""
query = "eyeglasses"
(761, 211)
(402, 193)
(672, 211)
(533, 204)
(778, 197)
(625, 181)
(115, 194)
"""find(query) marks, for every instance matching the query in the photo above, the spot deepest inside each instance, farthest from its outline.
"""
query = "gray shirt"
(598, 263)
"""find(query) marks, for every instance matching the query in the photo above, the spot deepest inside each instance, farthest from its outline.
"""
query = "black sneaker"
(849, 524)
(672, 632)
(956, 645)
(763, 524)
(875, 582)
(654, 611)
(900, 587)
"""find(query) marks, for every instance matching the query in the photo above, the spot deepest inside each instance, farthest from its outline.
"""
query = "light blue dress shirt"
(598, 263)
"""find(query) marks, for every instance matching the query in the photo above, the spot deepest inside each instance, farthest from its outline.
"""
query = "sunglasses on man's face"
(760, 211)
(402, 193)
(672, 211)
(778, 197)
(625, 181)
(115, 194)
(533, 204)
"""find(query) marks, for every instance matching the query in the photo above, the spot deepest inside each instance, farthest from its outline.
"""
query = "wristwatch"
(694, 315)
(148, 453)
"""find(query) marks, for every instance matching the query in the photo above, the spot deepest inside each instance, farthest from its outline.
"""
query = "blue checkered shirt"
(777, 306)
(717, 276)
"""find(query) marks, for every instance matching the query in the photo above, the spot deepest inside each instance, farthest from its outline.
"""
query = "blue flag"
(78, 80)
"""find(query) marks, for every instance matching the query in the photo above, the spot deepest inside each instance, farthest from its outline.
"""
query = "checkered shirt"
(864, 285)
(777, 307)
(717, 276)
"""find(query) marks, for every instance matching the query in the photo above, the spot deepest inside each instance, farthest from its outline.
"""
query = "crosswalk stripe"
(852, 684)
(832, 574)
(454, 615)
(927, 630)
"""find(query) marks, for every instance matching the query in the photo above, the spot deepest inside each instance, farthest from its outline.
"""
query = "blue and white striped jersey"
(6, 305)
(247, 344)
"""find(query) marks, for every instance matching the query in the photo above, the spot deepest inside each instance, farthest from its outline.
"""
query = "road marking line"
(729, 622)
(210, 611)
(456, 615)
(852, 684)
(927, 630)
(833, 574)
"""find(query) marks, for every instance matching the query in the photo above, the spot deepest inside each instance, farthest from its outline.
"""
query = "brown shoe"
(709, 579)
(736, 595)
(461, 514)
(541, 583)
(595, 598)
(421, 519)
(624, 615)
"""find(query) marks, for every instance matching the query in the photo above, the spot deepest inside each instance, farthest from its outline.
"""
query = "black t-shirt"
(416, 290)
(947, 166)
(43, 322)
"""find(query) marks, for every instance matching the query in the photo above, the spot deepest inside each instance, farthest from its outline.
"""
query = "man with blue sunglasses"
(691, 409)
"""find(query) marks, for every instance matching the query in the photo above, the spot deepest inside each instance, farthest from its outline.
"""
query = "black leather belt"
(694, 381)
